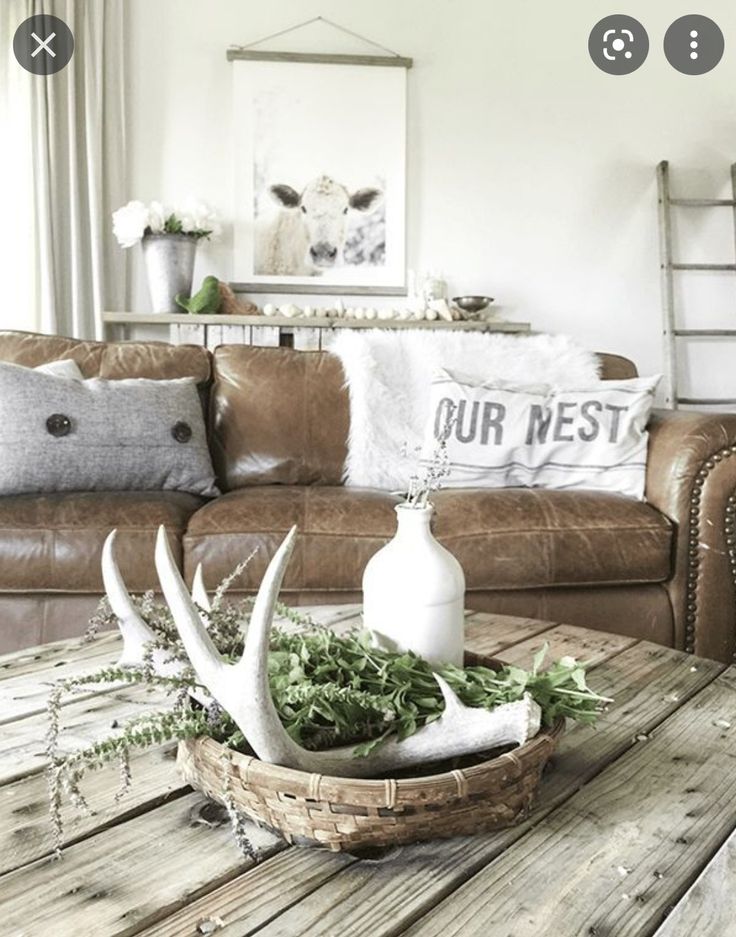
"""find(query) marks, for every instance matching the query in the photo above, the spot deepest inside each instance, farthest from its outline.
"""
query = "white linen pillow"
(506, 435)
(62, 367)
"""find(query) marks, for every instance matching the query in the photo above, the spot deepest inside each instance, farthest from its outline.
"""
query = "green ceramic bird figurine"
(206, 301)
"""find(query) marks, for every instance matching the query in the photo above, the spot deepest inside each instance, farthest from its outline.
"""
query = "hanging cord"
(319, 19)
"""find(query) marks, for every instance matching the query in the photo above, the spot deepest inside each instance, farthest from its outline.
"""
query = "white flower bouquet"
(135, 220)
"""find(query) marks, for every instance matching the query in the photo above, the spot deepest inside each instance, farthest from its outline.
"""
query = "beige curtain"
(67, 172)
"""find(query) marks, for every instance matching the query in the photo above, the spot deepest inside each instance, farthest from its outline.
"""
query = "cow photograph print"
(319, 188)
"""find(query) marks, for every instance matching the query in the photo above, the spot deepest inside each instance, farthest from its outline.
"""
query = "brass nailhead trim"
(691, 605)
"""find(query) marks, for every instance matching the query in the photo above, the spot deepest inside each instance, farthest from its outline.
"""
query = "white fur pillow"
(503, 435)
(389, 372)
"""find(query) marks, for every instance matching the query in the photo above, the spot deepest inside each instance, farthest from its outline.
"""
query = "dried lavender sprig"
(126, 775)
(229, 580)
(434, 469)
(238, 820)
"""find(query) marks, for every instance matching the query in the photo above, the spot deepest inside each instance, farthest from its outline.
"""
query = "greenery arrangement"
(329, 690)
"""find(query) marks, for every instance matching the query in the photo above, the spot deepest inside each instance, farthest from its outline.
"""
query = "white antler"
(199, 593)
(135, 632)
(243, 690)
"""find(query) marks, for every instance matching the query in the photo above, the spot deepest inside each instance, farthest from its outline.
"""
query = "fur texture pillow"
(96, 435)
(503, 435)
(388, 374)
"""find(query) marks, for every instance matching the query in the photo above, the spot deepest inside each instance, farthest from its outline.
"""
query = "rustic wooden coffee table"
(635, 822)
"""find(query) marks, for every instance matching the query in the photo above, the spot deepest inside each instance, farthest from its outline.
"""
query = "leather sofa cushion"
(53, 543)
(278, 416)
(111, 360)
(504, 539)
(281, 416)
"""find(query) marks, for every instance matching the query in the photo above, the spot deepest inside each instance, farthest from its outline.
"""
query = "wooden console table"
(306, 334)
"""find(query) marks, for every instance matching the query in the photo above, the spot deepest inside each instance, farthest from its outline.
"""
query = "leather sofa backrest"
(112, 360)
(281, 417)
(277, 417)
(616, 367)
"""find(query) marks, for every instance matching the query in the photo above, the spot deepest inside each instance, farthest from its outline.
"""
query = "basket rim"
(390, 791)
(304, 783)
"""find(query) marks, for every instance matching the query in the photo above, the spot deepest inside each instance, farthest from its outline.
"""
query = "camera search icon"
(618, 44)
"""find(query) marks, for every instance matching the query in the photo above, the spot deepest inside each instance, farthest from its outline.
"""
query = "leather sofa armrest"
(691, 478)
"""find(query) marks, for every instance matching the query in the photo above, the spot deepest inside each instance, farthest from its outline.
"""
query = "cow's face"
(324, 205)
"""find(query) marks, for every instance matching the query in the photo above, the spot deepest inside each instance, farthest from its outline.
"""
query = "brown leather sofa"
(278, 419)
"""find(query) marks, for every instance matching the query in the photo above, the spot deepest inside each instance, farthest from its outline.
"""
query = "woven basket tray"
(351, 814)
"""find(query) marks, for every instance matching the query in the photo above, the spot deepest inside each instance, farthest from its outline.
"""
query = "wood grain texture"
(25, 832)
(614, 857)
(567, 640)
(251, 900)
(26, 695)
(306, 339)
(235, 334)
(488, 634)
(47, 657)
(22, 743)
(648, 683)
(652, 783)
(265, 336)
(708, 908)
(191, 334)
(126, 877)
(330, 615)
(212, 336)
(322, 58)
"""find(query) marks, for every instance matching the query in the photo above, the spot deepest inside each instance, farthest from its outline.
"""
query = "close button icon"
(43, 44)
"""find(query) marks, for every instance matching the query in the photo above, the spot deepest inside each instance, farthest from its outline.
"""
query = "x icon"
(43, 44)
(43, 33)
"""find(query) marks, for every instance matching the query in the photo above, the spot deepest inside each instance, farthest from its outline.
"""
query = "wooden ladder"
(668, 268)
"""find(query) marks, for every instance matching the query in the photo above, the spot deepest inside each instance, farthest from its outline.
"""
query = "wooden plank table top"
(633, 832)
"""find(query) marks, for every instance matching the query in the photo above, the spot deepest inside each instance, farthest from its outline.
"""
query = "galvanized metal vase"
(169, 267)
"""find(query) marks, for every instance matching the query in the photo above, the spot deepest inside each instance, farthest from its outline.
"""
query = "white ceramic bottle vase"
(414, 592)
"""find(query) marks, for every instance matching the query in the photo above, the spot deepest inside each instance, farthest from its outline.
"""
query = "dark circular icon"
(181, 431)
(43, 44)
(58, 424)
(694, 44)
(618, 44)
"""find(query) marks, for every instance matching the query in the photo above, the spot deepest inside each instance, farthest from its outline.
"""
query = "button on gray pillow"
(98, 435)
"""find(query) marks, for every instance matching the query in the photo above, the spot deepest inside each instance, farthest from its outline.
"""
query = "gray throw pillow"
(98, 435)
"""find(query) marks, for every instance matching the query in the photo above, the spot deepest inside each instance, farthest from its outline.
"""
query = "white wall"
(531, 173)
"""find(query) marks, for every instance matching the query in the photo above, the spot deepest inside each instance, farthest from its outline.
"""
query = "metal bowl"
(472, 303)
